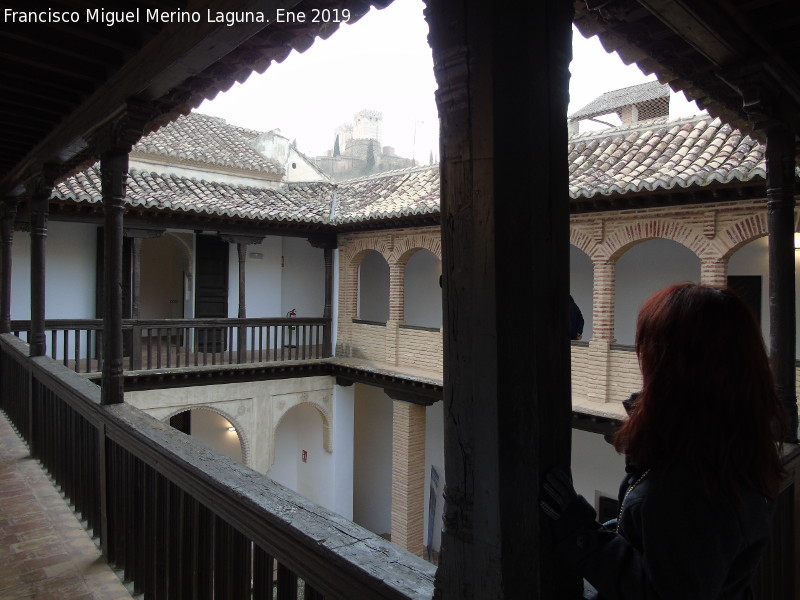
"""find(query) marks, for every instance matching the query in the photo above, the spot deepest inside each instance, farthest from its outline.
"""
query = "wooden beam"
(173, 56)
(502, 99)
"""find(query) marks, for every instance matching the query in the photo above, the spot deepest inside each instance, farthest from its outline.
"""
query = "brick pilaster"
(714, 271)
(597, 370)
(408, 476)
(604, 299)
(397, 274)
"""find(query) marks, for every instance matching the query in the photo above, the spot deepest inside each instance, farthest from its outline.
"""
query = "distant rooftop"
(615, 100)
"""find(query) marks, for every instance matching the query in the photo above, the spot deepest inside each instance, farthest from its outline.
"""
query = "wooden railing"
(169, 343)
(179, 519)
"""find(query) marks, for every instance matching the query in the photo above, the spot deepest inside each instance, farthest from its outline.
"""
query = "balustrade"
(169, 343)
(180, 520)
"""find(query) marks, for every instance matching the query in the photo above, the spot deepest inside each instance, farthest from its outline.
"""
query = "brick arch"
(582, 242)
(357, 248)
(244, 442)
(624, 238)
(406, 246)
(327, 440)
(742, 232)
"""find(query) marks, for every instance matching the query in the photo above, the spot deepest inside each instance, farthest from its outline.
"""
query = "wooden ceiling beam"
(166, 62)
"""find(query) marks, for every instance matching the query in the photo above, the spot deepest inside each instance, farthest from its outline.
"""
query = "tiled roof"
(643, 157)
(308, 202)
(200, 139)
(404, 192)
(612, 101)
(662, 154)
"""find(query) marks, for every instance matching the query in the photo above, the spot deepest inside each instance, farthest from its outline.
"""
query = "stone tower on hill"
(361, 149)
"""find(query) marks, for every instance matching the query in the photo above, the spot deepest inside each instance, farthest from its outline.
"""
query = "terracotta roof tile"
(308, 202)
(648, 156)
(200, 139)
(403, 192)
(661, 154)
(616, 99)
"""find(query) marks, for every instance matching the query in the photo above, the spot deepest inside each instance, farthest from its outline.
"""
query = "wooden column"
(502, 99)
(7, 233)
(327, 311)
(241, 250)
(241, 338)
(328, 243)
(780, 156)
(40, 189)
(114, 173)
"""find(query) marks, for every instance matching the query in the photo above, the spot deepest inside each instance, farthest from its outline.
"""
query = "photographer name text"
(111, 18)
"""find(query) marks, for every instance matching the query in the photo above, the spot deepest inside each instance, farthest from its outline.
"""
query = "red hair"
(708, 399)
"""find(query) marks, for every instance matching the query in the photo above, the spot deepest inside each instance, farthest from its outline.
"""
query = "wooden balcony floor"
(45, 553)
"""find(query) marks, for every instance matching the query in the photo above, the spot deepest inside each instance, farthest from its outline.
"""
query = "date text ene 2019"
(315, 15)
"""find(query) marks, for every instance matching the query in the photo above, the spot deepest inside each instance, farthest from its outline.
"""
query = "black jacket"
(674, 542)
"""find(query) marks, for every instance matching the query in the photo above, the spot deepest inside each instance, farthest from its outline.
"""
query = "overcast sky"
(382, 62)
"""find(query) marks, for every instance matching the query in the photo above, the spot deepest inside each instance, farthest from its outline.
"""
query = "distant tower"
(345, 134)
(368, 125)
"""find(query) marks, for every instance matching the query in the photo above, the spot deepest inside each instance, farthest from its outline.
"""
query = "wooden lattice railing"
(168, 343)
(179, 519)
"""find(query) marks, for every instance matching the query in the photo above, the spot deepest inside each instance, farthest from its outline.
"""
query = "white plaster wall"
(254, 408)
(301, 429)
(21, 276)
(263, 279)
(211, 428)
(343, 436)
(302, 278)
(596, 466)
(434, 456)
(70, 279)
(581, 277)
(644, 269)
(222, 175)
(299, 168)
(372, 462)
(422, 293)
(162, 272)
(373, 288)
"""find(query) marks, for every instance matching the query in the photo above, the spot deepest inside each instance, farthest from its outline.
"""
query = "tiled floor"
(44, 551)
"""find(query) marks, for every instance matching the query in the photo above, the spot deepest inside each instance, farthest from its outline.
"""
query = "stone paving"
(45, 553)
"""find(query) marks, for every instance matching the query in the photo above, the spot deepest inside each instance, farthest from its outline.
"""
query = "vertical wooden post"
(114, 173)
(780, 156)
(328, 244)
(40, 188)
(136, 291)
(327, 311)
(503, 92)
(241, 338)
(7, 233)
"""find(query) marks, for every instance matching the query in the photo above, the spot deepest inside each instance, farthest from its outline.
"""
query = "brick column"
(408, 475)
(603, 309)
(348, 303)
(714, 271)
(397, 273)
(604, 299)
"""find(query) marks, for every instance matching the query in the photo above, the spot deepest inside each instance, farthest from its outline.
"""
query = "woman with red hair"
(703, 465)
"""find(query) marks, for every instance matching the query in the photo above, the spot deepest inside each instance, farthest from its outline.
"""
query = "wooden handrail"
(337, 557)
